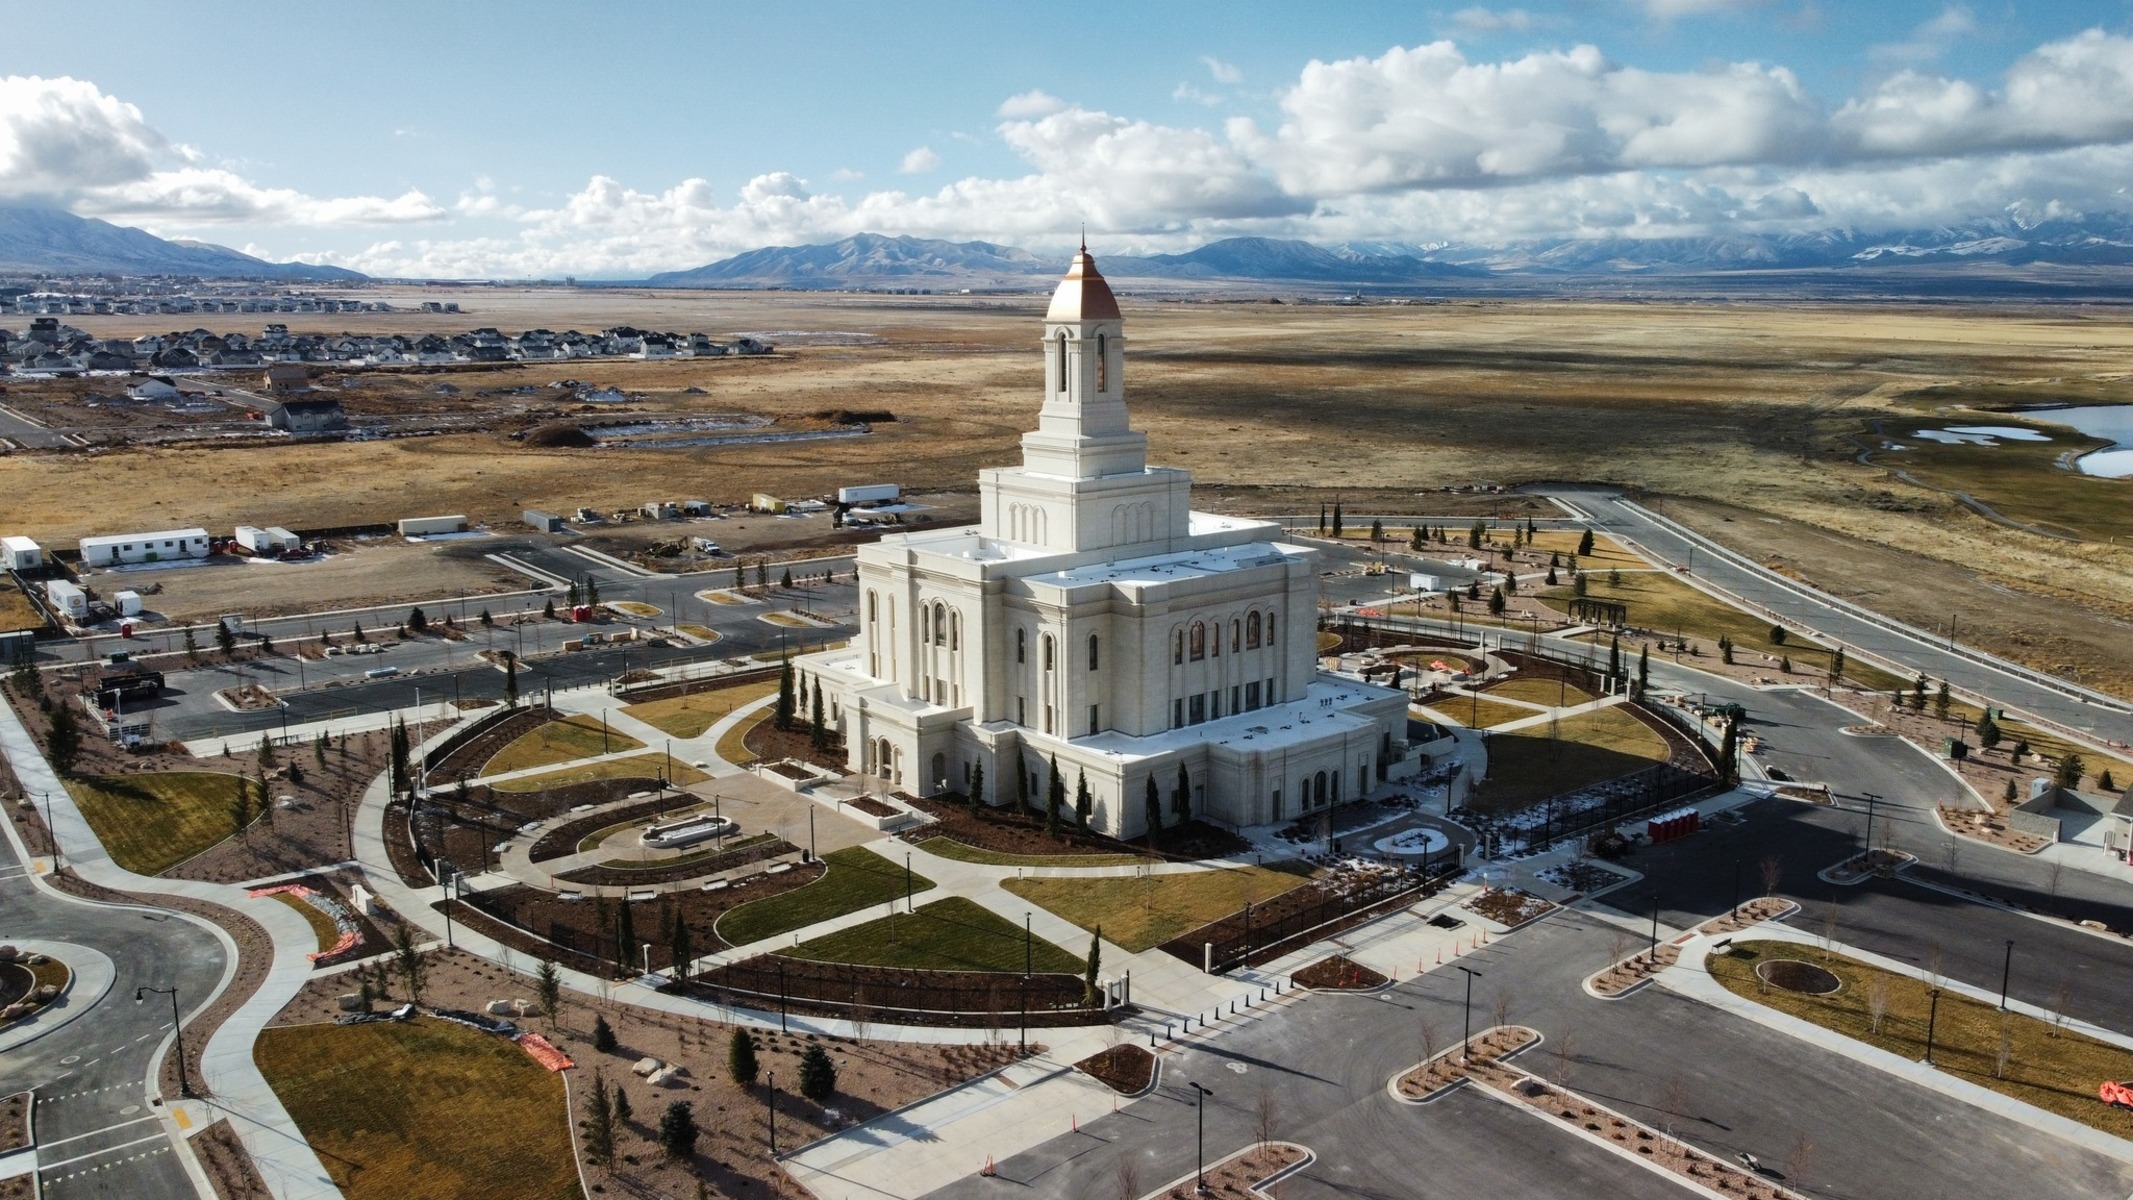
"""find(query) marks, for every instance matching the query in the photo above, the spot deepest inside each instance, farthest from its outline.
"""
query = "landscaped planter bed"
(588, 925)
(893, 995)
(689, 866)
(1005, 831)
(1127, 1070)
(465, 759)
(564, 838)
(1508, 907)
(1338, 973)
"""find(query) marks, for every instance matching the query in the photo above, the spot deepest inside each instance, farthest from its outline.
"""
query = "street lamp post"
(1029, 948)
(177, 1032)
(1467, 1016)
(1870, 799)
(1200, 1106)
(770, 1105)
(1932, 1019)
(51, 832)
(2006, 967)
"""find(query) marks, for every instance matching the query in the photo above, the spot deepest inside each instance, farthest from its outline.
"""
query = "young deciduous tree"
(2070, 770)
(408, 960)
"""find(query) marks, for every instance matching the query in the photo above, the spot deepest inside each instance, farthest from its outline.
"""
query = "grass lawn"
(1529, 766)
(702, 633)
(1141, 913)
(2054, 1069)
(559, 742)
(1542, 691)
(635, 608)
(1606, 552)
(1327, 642)
(1664, 604)
(16, 611)
(151, 823)
(648, 766)
(688, 716)
(425, 1110)
(963, 852)
(954, 934)
(1481, 714)
(322, 926)
(857, 878)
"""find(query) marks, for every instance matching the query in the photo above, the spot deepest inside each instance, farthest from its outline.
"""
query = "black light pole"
(770, 1104)
(2006, 966)
(51, 833)
(177, 1032)
(1870, 799)
(1200, 1106)
(1467, 1015)
(1655, 929)
(1932, 1018)
(907, 875)
(1029, 948)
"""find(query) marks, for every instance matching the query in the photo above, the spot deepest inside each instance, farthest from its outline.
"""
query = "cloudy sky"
(612, 140)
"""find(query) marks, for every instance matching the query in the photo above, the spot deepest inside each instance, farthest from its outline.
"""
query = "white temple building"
(1093, 618)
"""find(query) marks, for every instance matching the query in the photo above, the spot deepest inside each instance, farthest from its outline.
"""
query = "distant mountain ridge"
(50, 241)
(874, 260)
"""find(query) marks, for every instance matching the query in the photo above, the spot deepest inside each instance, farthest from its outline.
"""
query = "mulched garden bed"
(1005, 831)
(466, 759)
(14, 1122)
(895, 995)
(15, 983)
(683, 868)
(1127, 1070)
(1508, 907)
(588, 925)
(768, 743)
(872, 807)
(1338, 973)
(375, 939)
(228, 1167)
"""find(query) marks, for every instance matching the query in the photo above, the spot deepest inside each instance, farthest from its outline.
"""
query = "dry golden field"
(1754, 405)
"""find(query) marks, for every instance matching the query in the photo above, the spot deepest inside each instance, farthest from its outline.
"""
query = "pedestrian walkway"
(269, 1134)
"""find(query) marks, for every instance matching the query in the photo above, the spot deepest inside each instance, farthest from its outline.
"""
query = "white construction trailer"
(163, 546)
(418, 526)
(20, 554)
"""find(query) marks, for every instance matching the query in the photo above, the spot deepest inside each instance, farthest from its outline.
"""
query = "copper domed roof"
(1083, 295)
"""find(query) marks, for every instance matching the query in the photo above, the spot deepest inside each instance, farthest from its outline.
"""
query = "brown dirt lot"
(366, 572)
(1272, 406)
(2087, 638)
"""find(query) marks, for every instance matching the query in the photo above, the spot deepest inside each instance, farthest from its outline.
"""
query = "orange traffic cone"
(1440, 956)
(1074, 1122)
(987, 1170)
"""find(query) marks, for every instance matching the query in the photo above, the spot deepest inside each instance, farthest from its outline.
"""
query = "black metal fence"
(1260, 932)
(967, 998)
(1575, 814)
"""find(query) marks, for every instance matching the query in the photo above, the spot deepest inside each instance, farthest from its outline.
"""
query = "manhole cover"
(1796, 976)
(70, 1060)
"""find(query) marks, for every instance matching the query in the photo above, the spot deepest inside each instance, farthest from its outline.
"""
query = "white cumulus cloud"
(920, 161)
(1225, 73)
(65, 141)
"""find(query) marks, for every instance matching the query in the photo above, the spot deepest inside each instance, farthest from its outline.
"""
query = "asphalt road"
(98, 1135)
(1722, 1084)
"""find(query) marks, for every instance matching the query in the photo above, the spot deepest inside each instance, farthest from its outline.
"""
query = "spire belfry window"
(1062, 361)
(1103, 364)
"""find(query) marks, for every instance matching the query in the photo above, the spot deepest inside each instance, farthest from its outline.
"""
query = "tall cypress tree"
(785, 696)
(625, 936)
(1054, 798)
(1155, 809)
(1181, 799)
(1083, 805)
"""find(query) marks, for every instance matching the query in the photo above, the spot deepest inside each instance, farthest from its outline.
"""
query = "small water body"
(1980, 435)
(2113, 421)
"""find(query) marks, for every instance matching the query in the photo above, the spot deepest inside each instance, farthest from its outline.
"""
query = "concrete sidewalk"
(269, 1134)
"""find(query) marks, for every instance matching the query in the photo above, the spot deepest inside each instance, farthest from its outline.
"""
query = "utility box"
(659, 510)
(544, 521)
(765, 502)
(267, 542)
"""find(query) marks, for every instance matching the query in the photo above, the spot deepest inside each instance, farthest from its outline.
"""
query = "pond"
(1980, 435)
(2112, 421)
